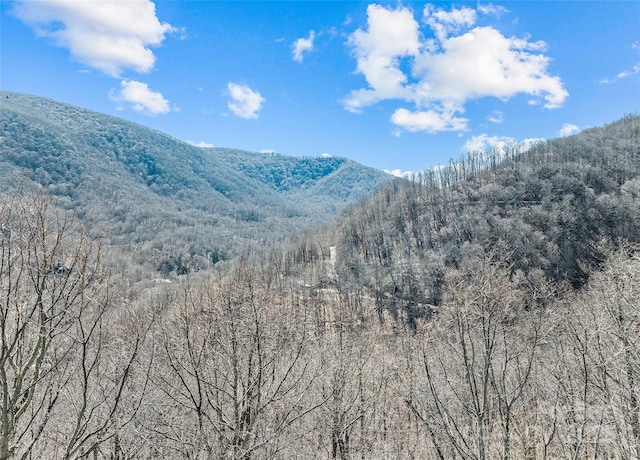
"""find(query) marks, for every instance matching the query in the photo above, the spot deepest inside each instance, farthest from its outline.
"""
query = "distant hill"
(164, 203)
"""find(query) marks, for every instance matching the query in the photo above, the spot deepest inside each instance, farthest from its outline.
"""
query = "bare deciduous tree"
(595, 364)
(60, 392)
(236, 369)
(477, 365)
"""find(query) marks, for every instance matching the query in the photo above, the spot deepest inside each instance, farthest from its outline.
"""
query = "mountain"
(486, 309)
(161, 201)
(549, 214)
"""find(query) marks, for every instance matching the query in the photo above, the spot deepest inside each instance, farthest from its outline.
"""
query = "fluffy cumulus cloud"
(438, 73)
(568, 129)
(432, 121)
(140, 97)
(303, 45)
(107, 35)
(243, 101)
(390, 36)
(444, 22)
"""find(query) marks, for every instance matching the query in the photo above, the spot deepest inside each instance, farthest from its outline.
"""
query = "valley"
(161, 300)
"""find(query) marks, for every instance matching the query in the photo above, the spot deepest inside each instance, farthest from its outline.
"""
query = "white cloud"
(484, 142)
(201, 144)
(441, 75)
(494, 10)
(399, 173)
(244, 102)
(625, 73)
(431, 120)
(568, 129)
(107, 35)
(391, 34)
(325, 155)
(496, 117)
(303, 45)
(485, 63)
(628, 73)
(141, 98)
(443, 23)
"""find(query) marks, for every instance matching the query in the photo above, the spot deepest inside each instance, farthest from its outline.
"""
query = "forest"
(489, 308)
(165, 206)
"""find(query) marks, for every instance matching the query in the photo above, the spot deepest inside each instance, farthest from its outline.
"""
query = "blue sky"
(395, 85)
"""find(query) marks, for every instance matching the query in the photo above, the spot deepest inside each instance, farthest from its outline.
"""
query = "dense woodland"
(486, 309)
(168, 207)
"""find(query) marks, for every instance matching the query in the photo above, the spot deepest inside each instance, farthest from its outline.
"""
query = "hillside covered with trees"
(163, 204)
(486, 309)
(552, 213)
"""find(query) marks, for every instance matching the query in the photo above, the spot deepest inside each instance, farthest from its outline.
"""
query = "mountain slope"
(169, 204)
(489, 309)
(548, 215)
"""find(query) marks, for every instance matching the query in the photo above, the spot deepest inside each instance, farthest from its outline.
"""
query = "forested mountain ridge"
(487, 309)
(171, 205)
(549, 213)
